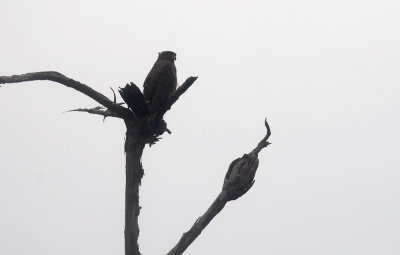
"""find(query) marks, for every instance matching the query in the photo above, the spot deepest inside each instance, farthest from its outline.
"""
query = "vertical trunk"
(134, 174)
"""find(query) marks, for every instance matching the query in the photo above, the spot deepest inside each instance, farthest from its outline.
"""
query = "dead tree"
(145, 128)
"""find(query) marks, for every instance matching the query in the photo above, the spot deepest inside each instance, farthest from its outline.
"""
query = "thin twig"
(96, 110)
(115, 98)
(264, 142)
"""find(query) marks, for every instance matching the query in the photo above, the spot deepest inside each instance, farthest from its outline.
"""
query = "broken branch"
(238, 180)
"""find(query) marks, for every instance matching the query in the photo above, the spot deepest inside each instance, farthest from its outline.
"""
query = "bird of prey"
(161, 81)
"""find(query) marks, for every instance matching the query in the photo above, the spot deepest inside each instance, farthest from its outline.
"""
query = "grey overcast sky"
(325, 73)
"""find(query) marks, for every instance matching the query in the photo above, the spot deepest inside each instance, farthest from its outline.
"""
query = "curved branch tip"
(268, 129)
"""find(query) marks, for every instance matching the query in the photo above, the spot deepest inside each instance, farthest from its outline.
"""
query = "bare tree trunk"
(134, 174)
(144, 128)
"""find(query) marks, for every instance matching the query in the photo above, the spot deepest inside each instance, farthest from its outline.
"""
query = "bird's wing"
(167, 74)
(149, 82)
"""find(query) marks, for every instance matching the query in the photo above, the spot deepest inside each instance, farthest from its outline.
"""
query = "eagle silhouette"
(161, 81)
(159, 85)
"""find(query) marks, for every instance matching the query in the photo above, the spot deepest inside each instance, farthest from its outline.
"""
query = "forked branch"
(119, 110)
(136, 137)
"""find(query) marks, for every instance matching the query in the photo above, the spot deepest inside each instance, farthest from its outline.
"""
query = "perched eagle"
(161, 81)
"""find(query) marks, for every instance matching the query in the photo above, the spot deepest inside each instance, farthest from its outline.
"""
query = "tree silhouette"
(143, 128)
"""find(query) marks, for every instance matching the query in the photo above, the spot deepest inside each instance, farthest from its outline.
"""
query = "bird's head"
(167, 55)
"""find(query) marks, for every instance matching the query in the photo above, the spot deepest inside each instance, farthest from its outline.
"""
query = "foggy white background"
(325, 73)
